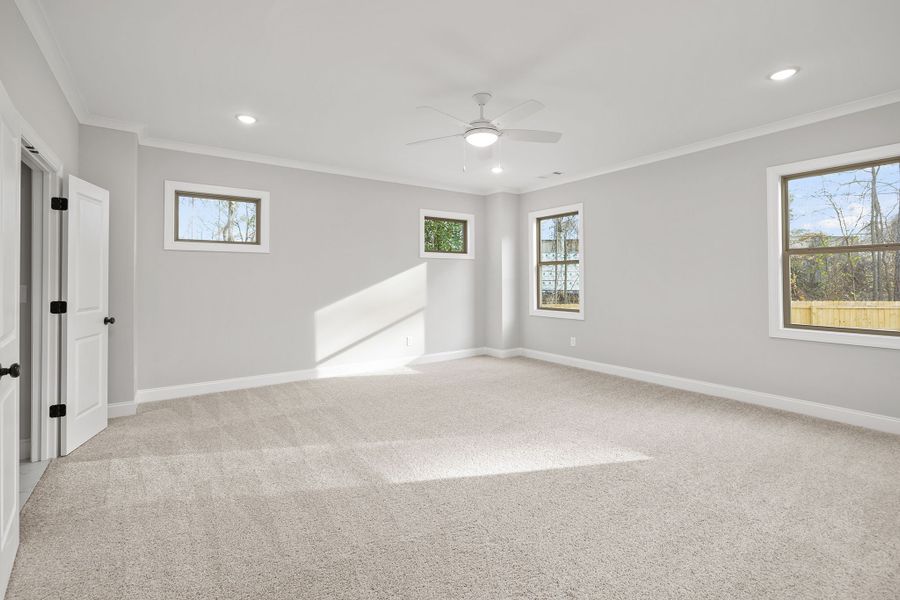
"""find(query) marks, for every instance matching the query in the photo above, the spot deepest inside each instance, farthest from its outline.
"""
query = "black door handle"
(109, 320)
(13, 370)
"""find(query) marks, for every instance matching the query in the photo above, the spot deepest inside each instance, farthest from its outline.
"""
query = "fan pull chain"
(465, 155)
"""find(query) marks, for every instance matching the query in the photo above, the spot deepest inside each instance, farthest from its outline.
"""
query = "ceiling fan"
(484, 132)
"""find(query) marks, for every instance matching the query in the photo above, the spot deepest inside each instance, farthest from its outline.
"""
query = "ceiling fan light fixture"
(482, 138)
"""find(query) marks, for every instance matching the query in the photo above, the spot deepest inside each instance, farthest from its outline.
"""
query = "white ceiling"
(335, 83)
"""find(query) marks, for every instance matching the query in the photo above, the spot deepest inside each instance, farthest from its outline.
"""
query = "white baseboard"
(803, 407)
(503, 353)
(121, 409)
(252, 381)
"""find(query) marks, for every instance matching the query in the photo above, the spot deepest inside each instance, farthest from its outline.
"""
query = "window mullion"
(890, 247)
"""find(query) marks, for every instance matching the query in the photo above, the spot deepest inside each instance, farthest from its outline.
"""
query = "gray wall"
(109, 159)
(676, 274)
(502, 254)
(33, 88)
(315, 299)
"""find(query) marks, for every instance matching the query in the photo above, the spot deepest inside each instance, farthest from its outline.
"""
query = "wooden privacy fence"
(862, 315)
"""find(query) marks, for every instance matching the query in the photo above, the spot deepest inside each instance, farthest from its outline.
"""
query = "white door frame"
(52, 170)
(44, 326)
(22, 132)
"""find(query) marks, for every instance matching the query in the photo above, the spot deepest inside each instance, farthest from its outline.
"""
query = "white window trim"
(264, 217)
(774, 174)
(534, 311)
(440, 214)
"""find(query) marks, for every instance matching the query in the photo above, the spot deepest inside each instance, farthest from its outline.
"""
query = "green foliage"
(837, 276)
(445, 235)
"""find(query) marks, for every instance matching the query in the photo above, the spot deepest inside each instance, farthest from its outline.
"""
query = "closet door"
(86, 321)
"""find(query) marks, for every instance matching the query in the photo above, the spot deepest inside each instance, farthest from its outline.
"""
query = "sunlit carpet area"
(478, 478)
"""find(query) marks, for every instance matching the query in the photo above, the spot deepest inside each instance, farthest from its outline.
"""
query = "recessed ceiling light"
(482, 137)
(783, 74)
(246, 119)
(497, 170)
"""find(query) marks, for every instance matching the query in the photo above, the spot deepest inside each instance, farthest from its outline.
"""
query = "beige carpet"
(478, 478)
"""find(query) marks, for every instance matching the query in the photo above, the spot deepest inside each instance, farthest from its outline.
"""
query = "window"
(215, 218)
(839, 249)
(445, 234)
(557, 267)
(211, 218)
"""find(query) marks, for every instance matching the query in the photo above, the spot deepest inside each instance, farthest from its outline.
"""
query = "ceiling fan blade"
(448, 115)
(531, 135)
(444, 137)
(517, 113)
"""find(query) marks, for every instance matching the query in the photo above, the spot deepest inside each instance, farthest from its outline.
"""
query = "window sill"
(216, 247)
(468, 256)
(837, 337)
(558, 314)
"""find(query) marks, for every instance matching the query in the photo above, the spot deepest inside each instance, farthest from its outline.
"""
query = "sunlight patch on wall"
(385, 320)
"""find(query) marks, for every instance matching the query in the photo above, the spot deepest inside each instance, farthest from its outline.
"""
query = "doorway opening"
(39, 262)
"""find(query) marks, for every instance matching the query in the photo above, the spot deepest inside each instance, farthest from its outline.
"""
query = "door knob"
(109, 320)
(13, 370)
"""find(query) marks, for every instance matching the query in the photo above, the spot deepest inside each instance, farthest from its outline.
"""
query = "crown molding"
(178, 146)
(140, 131)
(117, 124)
(23, 128)
(267, 159)
(825, 114)
(36, 20)
(731, 138)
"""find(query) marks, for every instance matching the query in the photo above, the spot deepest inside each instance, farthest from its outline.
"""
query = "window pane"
(217, 219)
(856, 206)
(445, 235)
(559, 286)
(559, 238)
(859, 290)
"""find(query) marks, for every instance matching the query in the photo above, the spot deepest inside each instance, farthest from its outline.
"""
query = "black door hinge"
(59, 203)
(57, 411)
(58, 307)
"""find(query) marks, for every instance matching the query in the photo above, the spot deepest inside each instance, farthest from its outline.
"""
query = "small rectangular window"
(557, 271)
(215, 218)
(212, 218)
(446, 234)
(841, 248)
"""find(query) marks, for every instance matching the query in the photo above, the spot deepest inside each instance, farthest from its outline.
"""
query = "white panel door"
(10, 149)
(85, 330)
